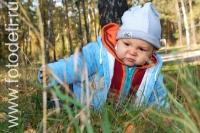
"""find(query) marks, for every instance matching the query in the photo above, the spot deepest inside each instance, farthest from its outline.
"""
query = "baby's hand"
(42, 75)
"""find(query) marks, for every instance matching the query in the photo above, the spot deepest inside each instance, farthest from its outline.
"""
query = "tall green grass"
(182, 83)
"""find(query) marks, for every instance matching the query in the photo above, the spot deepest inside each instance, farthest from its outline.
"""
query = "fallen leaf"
(30, 131)
(96, 123)
(145, 126)
(19, 75)
(2, 80)
(22, 92)
(166, 122)
(61, 126)
(5, 99)
(3, 117)
(30, 88)
(129, 127)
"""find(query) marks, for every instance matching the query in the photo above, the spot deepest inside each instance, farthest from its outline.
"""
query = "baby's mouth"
(130, 60)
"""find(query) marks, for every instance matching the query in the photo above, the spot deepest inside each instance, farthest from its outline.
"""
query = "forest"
(68, 24)
(36, 32)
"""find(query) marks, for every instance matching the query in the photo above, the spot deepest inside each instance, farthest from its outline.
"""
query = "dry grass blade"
(172, 118)
(61, 82)
(76, 117)
(144, 115)
(44, 93)
(193, 112)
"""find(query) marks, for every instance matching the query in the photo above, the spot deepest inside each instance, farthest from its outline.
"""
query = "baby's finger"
(41, 70)
(48, 81)
(42, 75)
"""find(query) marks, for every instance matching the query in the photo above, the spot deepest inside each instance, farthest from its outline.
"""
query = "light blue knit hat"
(141, 23)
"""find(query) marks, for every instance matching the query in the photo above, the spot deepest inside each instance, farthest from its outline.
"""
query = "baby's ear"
(155, 49)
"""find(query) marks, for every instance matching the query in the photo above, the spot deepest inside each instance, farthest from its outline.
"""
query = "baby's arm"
(64, 68)
(159, 94)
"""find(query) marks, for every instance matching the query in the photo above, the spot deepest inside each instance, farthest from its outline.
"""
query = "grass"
(181, 81)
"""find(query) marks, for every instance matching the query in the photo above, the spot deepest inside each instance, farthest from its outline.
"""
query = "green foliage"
(59, 39)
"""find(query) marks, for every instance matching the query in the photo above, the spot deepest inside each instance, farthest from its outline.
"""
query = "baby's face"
(134, 52)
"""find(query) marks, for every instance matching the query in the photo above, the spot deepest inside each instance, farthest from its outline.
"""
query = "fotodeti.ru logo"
(13, 47)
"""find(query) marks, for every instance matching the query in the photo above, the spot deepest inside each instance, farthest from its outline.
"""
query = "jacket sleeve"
(64, 68)
(158, 96)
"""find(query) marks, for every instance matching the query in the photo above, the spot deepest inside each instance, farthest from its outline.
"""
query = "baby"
(122, 64)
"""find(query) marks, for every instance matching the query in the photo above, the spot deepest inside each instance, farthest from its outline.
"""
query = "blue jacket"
(94, 68)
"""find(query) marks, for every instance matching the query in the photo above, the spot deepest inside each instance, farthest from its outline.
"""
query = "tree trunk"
(29, 38)
(80, 35)
(48, 31)
(93, 18)
(89, 19)
(86, 24)
(1, 45)
(186, 24)
(53, 41)
(21, 42)
(179, 22)
(1, 36)
(68, 27)
(63, 43)
(193, 29)
(54, 50)
(111, 11)
(62, 35)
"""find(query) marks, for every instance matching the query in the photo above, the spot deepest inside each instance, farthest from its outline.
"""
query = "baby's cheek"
(118, 54)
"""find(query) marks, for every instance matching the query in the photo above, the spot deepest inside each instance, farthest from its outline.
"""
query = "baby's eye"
(141, 49)
(126, 44)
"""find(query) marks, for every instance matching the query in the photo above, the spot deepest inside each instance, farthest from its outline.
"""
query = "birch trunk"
(193, 29)
(186, 24)
(93, 18)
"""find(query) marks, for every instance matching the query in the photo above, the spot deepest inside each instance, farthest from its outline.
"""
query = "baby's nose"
(133, 52)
